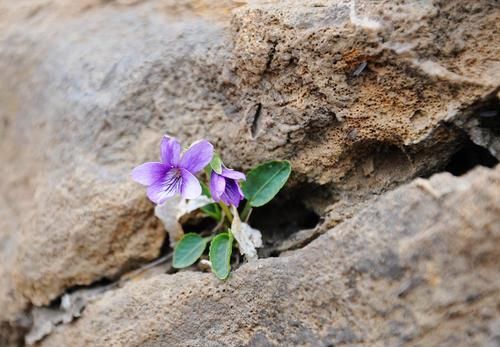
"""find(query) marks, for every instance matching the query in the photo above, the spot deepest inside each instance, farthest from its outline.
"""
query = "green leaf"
(220, 254)
(216, 163)
(265, 181)
(212, 210)
(188, 250)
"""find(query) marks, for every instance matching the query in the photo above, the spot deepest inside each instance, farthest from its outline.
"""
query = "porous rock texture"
(360, 96)
(418, 267)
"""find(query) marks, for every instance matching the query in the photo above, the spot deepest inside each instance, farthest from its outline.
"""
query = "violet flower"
(175, 173)
(225, 187)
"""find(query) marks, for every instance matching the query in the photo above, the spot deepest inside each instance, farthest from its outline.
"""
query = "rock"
(11, 335)
(359, 98)
(76, 216)
(300, 64)
(481, 123)
(417, 267)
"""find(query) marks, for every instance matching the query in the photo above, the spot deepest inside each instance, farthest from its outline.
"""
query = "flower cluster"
(173, 185)
(175, 174)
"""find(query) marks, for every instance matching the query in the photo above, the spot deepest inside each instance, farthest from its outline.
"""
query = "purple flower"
(175, 173)
(225, 187)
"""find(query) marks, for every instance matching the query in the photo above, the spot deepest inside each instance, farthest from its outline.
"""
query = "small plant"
(173, 185)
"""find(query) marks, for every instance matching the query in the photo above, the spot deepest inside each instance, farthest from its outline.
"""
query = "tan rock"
(359, 98)
(418, 267)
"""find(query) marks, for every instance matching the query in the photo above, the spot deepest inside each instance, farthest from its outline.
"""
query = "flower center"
(177, 173)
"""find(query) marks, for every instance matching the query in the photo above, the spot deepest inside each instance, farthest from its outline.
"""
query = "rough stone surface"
(418, 267)
(11, 335)
(77, 99)
(360, 96)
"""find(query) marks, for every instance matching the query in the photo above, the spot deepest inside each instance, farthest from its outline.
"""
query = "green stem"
(220, 223)
(226, 211)
(247, 210)
(248, 215)
(208, 238)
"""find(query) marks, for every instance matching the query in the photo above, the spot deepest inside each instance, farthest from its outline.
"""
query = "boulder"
(359, 96)
(417, 267)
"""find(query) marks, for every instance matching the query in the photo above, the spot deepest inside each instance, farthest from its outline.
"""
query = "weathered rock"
(79, 95)
(350, 93)
(359, 98)
(482, 124)
(418, 267)
(11, 335)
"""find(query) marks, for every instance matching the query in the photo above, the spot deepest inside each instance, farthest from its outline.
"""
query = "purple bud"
(224, 186)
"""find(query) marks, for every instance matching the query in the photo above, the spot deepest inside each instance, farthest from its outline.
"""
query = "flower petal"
(170, 151)
(232, 194)
(235, 175)
(196, 203)
(217, 185)
(190, 188)
(197, 156)
(168, 212)
(248, 238)
(148, 173)
(165, 188)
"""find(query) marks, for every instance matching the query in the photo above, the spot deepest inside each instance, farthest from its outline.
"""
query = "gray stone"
(318, 296)
(359, 98)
